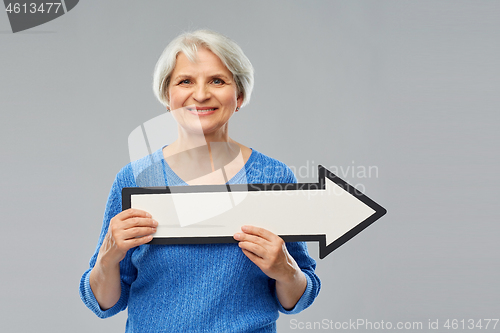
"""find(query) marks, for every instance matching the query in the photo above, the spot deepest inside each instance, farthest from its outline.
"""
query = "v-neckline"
(172, 177)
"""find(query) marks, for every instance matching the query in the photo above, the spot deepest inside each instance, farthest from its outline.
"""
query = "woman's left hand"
(268, 251)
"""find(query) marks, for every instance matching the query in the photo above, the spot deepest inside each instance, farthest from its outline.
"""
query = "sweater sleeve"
(298, 250)
(128, 273)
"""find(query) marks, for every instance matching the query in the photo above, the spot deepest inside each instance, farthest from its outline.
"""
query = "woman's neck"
(193, 156)
(189, 140)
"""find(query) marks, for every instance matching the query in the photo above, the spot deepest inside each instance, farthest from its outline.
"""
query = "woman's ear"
(239, 101)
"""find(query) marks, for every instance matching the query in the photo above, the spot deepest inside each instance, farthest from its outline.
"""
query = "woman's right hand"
(128, 229)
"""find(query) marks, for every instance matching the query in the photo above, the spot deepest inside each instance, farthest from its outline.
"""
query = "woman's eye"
(218, 81)
(186, 81)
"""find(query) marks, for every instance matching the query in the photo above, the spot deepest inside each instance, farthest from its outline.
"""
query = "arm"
(290, 289)
(297, 286)
(127, 229)
(104, 287)
(269, 252)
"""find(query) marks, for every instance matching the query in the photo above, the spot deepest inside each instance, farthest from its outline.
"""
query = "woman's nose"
(201, 93)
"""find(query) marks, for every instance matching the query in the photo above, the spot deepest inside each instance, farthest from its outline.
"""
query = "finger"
(130, 243)
(242, 237)
(136, 222)
(137, 232)
(253, 257)
(133, 212)
(256, 249)
(261, 232)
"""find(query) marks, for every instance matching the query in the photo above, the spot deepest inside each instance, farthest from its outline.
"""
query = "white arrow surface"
(331, 209)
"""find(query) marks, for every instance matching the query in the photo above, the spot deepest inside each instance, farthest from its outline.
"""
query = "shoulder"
(260, 159)
(144, 172)
(265, 169)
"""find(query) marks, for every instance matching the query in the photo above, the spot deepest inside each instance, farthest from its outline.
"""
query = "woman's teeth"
(207, 110)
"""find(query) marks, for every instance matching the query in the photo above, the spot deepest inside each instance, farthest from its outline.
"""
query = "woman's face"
(207, 85)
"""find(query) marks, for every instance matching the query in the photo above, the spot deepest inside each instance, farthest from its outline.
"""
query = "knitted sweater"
(196, 288)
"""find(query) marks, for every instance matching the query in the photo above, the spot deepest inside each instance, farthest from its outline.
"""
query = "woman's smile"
(202, 111)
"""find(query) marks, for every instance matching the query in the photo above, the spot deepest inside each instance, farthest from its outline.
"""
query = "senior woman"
(204, 78)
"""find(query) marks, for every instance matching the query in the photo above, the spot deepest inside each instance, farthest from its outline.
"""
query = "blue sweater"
(196, 288)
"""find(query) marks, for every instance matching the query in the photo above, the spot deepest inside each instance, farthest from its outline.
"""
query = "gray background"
(409, 87)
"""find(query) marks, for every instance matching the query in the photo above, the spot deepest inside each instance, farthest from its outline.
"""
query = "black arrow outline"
(323, 173)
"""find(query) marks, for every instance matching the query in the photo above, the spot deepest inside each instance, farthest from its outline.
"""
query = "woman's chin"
(211, 125)
(199, 128)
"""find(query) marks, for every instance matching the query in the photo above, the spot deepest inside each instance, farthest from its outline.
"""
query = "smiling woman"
(203, 78)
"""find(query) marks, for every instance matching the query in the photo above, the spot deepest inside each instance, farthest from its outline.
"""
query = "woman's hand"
(268, 251)
(128, 229)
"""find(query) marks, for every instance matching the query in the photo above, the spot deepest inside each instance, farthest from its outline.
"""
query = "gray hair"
(228, 52)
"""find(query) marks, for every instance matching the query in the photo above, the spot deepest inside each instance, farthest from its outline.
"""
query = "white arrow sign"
(330, 211)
